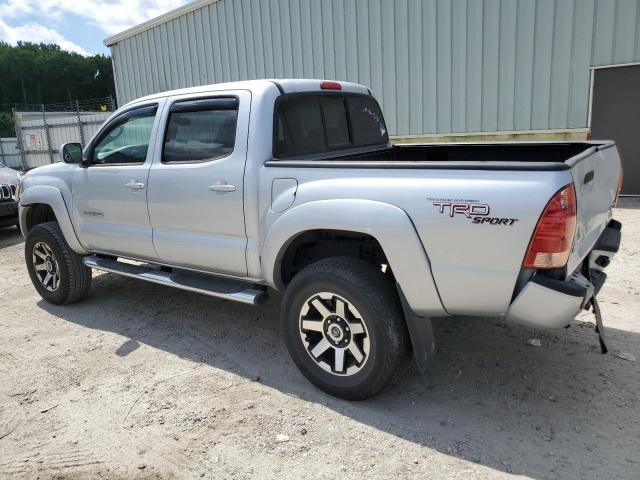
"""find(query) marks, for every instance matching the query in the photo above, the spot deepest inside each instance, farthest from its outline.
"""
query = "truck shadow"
(562, 410)
(629, 202)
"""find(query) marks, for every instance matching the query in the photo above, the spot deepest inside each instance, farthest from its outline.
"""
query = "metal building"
(438, 66)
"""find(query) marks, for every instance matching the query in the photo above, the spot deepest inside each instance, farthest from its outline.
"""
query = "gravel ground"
(142, 381)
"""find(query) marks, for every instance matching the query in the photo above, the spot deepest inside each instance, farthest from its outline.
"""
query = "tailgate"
(595, 175)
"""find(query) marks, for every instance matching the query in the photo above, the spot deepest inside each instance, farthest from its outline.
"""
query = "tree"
(6, 125)
(42, 73)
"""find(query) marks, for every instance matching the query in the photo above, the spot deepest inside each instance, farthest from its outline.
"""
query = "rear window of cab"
(317, 123)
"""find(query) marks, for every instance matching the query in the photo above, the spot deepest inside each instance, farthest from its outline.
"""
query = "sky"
(76, 25)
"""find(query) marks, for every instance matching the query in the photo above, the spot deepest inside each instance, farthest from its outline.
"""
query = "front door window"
(127, 141)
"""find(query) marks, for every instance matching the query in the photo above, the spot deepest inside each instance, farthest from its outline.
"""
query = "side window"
(200, 130)
(302, 126)
(127, 141)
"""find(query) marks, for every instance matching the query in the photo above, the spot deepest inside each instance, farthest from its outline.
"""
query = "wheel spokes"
(313, 325)
(356, 328)
(46, 266)
(356, 352)
(320, 348)
(334, 333)
(339, 360)
(322, 310)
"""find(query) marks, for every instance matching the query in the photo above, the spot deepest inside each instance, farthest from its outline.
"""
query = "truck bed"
(537, 152)
(477, 156)
(488, 258)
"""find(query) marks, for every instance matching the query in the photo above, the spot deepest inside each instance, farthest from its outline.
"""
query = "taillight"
(553, 238)
(327, 85)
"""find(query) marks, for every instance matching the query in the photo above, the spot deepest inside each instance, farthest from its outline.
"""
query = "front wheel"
(344, 327)
(56, 271)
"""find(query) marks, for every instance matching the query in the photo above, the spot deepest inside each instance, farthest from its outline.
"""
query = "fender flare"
(53, 197)
(388, 224)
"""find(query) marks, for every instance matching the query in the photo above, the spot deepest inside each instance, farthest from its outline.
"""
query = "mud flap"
(421, 333)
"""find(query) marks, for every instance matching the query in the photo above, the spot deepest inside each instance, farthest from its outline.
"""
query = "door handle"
(224, 187)
(134, 185)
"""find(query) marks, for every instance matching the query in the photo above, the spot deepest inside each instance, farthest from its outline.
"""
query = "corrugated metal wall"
(438, 66)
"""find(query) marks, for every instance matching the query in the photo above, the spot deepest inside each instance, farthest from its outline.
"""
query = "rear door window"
(320, 123)
(200, 130)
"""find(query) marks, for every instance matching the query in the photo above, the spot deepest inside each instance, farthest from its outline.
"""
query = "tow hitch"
(597, 278)
(599, 326)
(600, 256)
(592, 281)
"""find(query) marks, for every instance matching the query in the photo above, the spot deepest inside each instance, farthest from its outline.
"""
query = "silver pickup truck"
(292, 184)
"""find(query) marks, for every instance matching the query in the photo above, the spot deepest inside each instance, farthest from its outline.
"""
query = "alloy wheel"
(46, 267)
(334, 334)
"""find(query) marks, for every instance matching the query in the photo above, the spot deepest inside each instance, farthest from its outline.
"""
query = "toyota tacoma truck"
(229, 189)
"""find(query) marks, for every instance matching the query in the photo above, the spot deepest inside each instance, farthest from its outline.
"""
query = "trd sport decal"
(475, 211)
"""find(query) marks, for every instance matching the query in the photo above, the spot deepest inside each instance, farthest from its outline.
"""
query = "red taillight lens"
(552, 240)
(330, 85)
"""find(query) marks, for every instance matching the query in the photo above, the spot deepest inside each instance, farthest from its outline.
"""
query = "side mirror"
(71, 153)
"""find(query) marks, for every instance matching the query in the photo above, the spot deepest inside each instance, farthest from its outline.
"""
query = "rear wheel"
(56, 271)
(344, 327)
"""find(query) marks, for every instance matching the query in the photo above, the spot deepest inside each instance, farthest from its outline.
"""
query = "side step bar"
(193, 282)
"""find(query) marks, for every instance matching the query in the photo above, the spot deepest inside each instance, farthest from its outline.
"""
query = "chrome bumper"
(547, 303)
(550, 303)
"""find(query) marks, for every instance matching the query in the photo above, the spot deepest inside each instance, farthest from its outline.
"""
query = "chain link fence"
(42, 129)
(9, 153)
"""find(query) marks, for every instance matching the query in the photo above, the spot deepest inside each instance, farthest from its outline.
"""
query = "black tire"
(74, 277)
(374, 296)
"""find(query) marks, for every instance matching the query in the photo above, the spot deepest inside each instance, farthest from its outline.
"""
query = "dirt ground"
(142, 381)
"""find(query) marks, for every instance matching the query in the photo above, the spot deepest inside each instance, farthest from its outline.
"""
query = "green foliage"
(6, 125)
(40, 73)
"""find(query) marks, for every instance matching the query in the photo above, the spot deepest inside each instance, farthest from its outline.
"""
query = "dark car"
(9, 180)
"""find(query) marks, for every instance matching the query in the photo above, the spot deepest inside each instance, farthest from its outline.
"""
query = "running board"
(193, 282)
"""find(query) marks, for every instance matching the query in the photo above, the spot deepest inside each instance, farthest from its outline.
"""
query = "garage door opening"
(615, 115)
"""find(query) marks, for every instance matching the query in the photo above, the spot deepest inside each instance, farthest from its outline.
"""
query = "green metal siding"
(437, 66)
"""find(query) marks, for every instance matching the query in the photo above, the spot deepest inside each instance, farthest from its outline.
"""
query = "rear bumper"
(549, 303)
